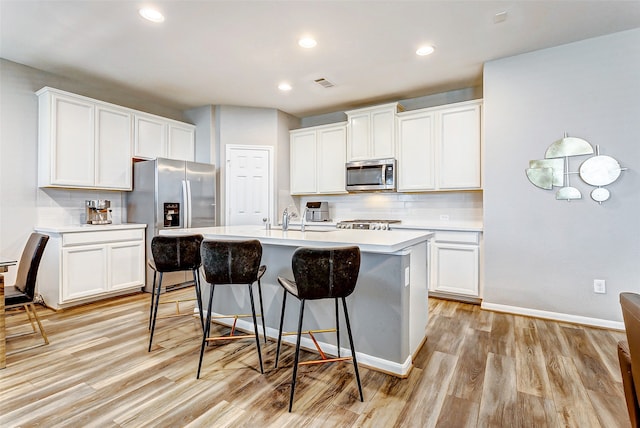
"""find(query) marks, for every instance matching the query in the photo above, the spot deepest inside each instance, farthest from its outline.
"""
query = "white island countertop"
(372, 241)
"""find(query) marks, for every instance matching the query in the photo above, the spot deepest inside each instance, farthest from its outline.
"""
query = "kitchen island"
(388, 309)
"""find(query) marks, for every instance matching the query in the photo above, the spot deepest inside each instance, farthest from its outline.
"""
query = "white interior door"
(249, 184)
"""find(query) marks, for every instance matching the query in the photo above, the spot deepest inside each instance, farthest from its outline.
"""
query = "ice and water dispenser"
(171, 214)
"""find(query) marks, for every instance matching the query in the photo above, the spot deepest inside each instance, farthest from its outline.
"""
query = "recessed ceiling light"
(284, 86)
(307, 42)
(152, 15)
(425, 50)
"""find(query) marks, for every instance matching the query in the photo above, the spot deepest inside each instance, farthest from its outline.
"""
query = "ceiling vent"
(324, 83)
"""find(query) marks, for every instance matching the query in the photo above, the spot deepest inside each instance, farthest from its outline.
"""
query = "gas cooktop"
(366, 224)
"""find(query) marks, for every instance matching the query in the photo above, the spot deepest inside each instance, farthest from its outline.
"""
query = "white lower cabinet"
(455, 261)
(78, 267)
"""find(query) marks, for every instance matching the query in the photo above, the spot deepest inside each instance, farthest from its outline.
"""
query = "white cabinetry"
(440, 148)
(158, 137)
(86, 264)
(455, 263)
(82, 143)
(317, 159)
(372, 132)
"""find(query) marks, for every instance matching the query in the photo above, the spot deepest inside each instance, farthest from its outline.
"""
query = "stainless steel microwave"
(371, 175)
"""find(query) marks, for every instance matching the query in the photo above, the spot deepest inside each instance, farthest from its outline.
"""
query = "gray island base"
(388, 309)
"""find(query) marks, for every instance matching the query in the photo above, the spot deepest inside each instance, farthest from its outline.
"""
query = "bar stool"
(174, 254)
(321, 273)
(231, 263)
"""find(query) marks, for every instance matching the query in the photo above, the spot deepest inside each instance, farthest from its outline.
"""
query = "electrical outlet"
(599, 286)
(444, 217)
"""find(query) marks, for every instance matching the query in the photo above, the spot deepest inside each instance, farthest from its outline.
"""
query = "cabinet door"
(416, 152)
(181, 144)
(113, 148)
(150, 137)
(126, 265)
(332, 153)
(84, 271)
(382, 134)
(459, 136)
(72, 151)
(358, 144)
(455, 268)
(303, 163)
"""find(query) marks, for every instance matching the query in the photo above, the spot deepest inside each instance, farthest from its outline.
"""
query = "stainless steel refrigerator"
(171, 194)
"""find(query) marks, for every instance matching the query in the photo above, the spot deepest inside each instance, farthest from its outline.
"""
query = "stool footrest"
(324, 360)
(241, 336)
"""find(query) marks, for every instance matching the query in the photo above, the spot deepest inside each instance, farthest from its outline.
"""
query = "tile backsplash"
(66, 207)
(418, 208)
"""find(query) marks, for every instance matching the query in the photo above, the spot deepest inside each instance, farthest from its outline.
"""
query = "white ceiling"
(237, 52)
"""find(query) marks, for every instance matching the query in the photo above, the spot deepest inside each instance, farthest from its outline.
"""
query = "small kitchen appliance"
(371, 175)
(317, 211)
(98, 211)
(366, 224)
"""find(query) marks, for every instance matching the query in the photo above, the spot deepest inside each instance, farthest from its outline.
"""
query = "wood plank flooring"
(477, 369)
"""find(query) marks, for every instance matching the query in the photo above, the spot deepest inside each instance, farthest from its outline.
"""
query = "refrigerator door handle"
(189, 203)
(185, 204)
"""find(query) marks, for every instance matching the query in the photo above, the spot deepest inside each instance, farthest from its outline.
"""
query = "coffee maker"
(98, 211)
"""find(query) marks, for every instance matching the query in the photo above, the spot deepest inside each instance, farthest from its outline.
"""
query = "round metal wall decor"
(553, 170)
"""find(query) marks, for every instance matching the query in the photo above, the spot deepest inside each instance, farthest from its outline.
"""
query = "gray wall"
(541, 253)
(22, 204)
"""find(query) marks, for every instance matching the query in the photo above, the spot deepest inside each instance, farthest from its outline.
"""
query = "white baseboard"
(370, 361)
(556, 316)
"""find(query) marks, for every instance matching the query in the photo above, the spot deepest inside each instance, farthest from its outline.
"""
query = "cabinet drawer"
(102, 236)
(458, 237)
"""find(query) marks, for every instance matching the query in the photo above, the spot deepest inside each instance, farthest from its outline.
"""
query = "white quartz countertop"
(88, 227)
(372, 241)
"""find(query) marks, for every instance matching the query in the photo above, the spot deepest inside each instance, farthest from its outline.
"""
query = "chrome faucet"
(286, 216)
(304, 217)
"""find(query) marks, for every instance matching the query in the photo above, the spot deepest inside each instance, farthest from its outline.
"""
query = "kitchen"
(533, 263)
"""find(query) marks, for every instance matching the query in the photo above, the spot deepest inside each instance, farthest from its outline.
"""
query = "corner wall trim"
(556, 316)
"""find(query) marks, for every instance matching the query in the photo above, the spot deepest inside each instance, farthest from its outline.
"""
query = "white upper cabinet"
(181, 141)
(150, 136)
(303, 162)
(82, 143)
(440, 148)
(372, 132)
(157, 136)
(317, 159)
(113, 148)
(416, 152)
(459, 143)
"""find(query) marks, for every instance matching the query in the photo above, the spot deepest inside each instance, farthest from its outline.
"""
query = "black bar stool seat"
(174, 254)
(321, 273)
(232, 263)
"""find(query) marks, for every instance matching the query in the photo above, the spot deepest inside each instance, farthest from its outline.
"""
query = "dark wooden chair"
(321, 273)
(629, 355)
(22, 293)
(231, 263)
(174, 254)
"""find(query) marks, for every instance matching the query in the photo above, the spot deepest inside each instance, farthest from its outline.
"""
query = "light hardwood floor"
(477, 369)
